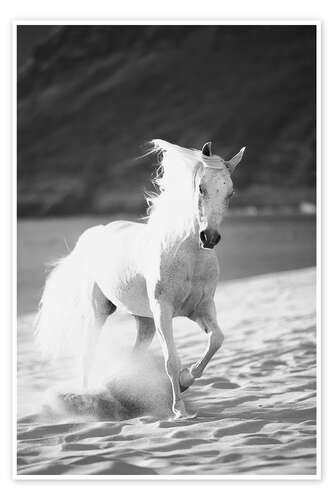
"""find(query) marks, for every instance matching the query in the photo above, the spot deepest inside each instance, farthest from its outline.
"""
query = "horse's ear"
(232, 164)
(207, 149)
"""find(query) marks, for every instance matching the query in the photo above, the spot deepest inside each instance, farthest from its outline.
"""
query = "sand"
(255, 404)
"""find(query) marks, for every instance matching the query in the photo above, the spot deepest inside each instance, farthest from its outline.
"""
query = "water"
(250, 246)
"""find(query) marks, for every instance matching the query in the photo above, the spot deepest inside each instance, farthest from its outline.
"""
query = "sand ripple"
(255, 406)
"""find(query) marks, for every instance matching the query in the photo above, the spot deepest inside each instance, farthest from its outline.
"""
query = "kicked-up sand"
(255, 405)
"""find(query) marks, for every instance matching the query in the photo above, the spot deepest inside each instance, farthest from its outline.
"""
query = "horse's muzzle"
(209, 238)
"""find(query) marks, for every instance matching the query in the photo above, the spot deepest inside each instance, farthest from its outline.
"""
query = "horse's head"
(214, 188)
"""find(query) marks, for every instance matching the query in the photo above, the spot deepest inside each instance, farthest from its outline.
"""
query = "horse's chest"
(195, 287)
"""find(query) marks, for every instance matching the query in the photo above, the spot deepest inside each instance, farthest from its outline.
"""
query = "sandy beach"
(255, 405)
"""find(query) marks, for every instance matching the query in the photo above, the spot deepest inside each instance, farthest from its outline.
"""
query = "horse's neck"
(179, 244)
(166, 228)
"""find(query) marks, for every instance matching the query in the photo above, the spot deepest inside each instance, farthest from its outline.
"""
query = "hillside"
(89, 98)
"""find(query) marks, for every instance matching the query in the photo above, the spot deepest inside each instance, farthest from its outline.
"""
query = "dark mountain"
(90, 96)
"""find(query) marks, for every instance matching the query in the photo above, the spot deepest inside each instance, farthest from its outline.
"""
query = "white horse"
(157, 270)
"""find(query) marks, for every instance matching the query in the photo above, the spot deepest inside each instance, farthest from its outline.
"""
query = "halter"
(211, 162)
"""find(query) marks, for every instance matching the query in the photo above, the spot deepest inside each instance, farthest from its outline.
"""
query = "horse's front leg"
(163, 314)
(206, 319)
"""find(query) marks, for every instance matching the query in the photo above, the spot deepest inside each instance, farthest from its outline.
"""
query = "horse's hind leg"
(103, 308)
(145, 332)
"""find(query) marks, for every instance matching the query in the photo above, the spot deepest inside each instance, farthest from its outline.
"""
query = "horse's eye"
(202, 190)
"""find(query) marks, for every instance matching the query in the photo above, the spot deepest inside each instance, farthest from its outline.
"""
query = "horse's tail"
(66, 308)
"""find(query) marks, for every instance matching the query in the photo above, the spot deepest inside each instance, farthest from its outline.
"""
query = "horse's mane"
(172, 210)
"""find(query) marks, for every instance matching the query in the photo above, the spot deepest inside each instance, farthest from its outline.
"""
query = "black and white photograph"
(167, 223)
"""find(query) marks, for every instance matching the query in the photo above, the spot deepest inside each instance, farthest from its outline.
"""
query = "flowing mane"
(172, 209)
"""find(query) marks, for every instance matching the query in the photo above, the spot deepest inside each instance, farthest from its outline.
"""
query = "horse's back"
(123, 226)
(125, 241)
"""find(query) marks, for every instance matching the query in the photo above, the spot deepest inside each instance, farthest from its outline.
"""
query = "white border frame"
(319, 250)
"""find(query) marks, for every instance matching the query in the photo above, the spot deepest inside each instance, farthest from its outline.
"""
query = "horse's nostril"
(203, 236)
(209, 238)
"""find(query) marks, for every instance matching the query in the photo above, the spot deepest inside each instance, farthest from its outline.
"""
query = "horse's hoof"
(185, 379)
(182, 415)
(178, 411)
